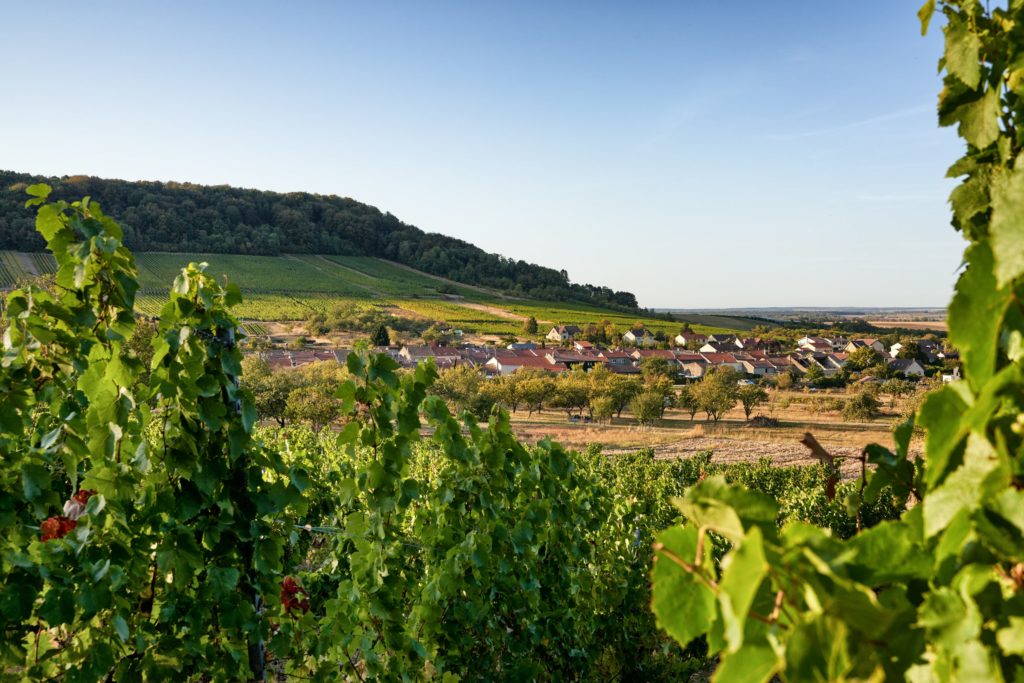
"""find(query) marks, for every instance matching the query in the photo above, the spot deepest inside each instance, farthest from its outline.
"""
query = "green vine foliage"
(139, 519)
(463, 554)
(938, 594)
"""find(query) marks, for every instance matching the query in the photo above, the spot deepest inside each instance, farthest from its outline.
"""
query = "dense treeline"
(183, 217)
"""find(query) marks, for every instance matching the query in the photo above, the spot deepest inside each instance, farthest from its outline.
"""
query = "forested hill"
(182, 217)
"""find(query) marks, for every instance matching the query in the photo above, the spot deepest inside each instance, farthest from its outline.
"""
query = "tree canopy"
(184, 217)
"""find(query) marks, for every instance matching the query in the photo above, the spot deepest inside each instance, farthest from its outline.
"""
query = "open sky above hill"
(699, 155)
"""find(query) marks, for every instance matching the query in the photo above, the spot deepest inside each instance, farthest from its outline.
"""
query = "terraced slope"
(291, 287)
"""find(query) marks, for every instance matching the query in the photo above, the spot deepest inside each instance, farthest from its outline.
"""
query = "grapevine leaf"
(976, 313)
(34, 480)
(1007, 226)
(962, 47)
(969, 198)
(817, 651)
(1011, 638)
(888, 552)
(121, 626)
(948, 619)
(940, 416)
(727, 509)
(741, 579)
(925, 15)
(48, 222)
(750, 665)
(58, 607)
(221, 581)
(965, 487)
(979, 120)
(683, 607)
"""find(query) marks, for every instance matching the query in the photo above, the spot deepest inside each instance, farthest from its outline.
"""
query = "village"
(690, 356)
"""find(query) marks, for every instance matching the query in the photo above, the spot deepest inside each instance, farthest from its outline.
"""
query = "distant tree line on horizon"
(184, 217)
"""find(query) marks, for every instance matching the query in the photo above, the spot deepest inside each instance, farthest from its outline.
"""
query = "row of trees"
(599, 394)
(184, 217)
(304, 395)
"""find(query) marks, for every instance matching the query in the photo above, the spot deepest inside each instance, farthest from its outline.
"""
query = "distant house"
(640, 337)
(514, 346)
(817, 344)
(718, 347)
(563, 333)
(581, 345)
(855, 344)
(895, 349)
(723, 359)
(640, 354)
(573, 359)
(694, 369)
(906, 366)
(617, 359)
(510, 364)
(757, 367)
(690, 340)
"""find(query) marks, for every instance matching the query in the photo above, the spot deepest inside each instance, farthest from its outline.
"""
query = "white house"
(855, 344)
(506, 365)
(563, 333)
(641, 337)
(907, 366)
(690, 340)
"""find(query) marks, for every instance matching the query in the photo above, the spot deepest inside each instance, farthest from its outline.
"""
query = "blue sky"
(699, 155)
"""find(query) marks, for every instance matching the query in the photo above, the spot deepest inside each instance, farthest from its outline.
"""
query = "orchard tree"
(458, 386)
(862, 358)
(622, 389)
(571, 393)
(687, 401)
(648, 407)
(653, 368)
(602, 408)
(530, 326)
(815, 374)
(862, 407)
(750, 397)
(717, 393)
(269, 388)
(535, 390)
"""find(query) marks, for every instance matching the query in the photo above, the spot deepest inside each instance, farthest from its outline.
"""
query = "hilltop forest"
(183, 217)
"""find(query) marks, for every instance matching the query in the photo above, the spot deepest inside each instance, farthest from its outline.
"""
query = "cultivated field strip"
(292, 287)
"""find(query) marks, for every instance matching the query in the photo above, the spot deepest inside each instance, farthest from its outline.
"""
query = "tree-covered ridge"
(183, 217)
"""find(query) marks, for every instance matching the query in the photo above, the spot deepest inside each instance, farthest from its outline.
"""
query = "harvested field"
(938, 325)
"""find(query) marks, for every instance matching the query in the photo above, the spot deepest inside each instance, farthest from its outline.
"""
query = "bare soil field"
(731, 440)
(493, 310)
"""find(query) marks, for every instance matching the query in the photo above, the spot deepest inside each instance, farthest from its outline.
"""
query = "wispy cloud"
(852, 125)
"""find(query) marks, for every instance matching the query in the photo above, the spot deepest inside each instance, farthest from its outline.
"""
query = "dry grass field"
(732, 439)
(937, 325)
